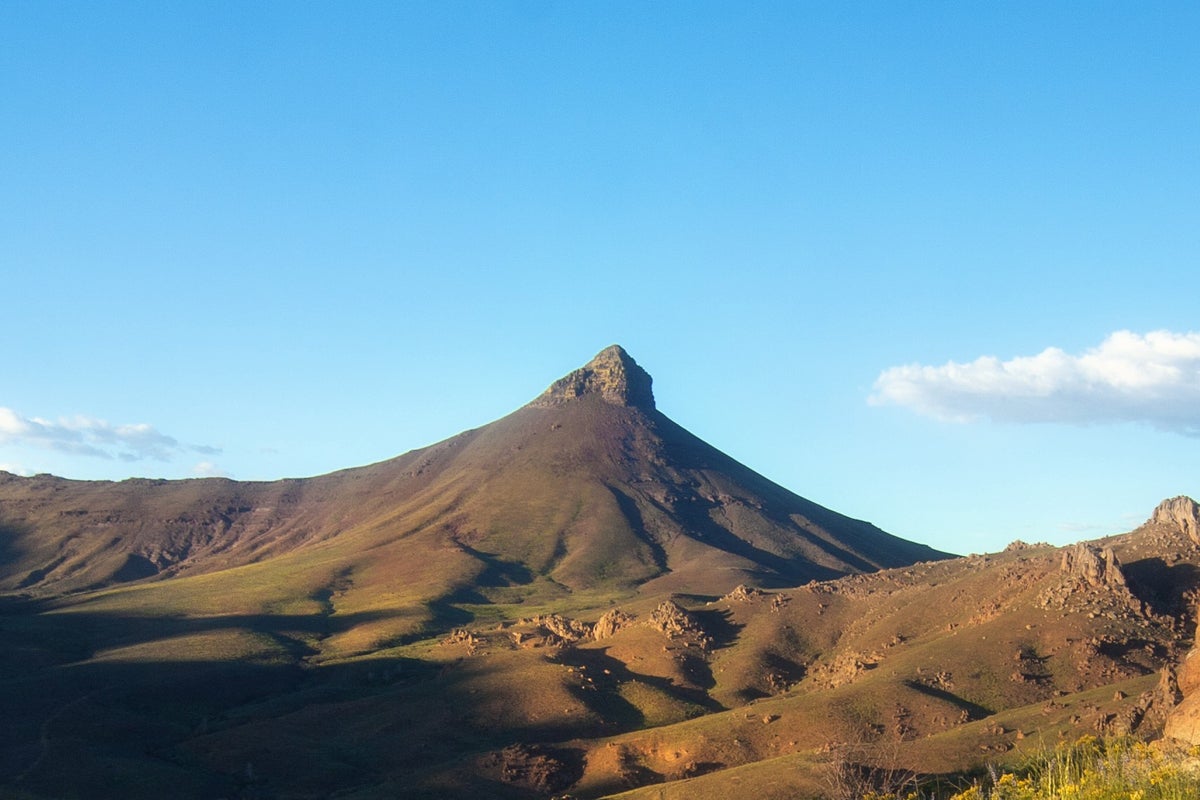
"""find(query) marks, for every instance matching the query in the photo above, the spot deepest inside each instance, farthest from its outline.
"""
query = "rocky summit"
(612, 375)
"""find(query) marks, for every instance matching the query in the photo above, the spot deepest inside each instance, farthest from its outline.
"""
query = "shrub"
(1096, 769)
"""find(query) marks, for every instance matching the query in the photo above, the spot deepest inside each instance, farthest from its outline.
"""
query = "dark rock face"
(612, 375)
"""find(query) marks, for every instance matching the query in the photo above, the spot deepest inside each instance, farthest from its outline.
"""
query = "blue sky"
(269, 240)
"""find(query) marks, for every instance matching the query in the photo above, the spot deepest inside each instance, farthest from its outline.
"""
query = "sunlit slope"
(937, 668)
(282, 679)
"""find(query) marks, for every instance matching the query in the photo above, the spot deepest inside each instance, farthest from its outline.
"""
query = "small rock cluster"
(462, 636)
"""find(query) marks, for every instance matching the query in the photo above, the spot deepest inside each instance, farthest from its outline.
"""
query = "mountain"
(589, 486)
(580, 599)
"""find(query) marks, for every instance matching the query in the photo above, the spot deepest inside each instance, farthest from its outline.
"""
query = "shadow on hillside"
(719, 625)
(9, 534)
(1160, 586)
(448, 615)
(601, 676)
(224, 726)
(90, 632)
(974, 711)
(498, 572)
(690, 452)
(633, 515)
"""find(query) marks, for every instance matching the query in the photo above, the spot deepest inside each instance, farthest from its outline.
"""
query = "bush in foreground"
(1089, 769)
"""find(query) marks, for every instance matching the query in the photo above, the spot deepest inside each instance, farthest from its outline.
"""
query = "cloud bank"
(1129, 377)
(86, 436)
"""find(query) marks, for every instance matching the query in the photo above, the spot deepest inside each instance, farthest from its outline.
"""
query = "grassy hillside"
(579, 598)
(937, 669)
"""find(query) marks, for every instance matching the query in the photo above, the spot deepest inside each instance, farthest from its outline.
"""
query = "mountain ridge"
(588, 483)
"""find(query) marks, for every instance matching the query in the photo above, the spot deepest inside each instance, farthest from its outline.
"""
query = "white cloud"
(1152, 378)
(207, 469)
(87, 436)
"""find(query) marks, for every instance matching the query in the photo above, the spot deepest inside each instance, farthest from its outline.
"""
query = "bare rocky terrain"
(579, 599)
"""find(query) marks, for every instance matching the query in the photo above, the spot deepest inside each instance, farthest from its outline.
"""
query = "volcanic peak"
(612, 375)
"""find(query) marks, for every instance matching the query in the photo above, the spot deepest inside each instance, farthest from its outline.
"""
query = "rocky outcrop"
(464, 637)
(1093, 566)
(565, 628)
(535, 768)
(549, 630)
(1183, 723)
(674, 622)
(555, 630)
(611, 622)
(1091, 580)
(612, 375)
(743, 594)
(1180, 512)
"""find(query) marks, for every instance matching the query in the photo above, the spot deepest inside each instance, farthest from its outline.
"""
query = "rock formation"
(1181, 512)
(674, 622)
(549, 630)
(1183, 723)
(1093, 566)
(611, 622)
(612, 375)
(743, 594)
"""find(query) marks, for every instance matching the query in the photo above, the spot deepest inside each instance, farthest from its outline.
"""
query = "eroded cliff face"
(612, 375)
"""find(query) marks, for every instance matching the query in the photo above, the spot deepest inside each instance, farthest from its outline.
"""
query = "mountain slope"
(587, 486)
(939, 667)
(420, 627)
(542, 605)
